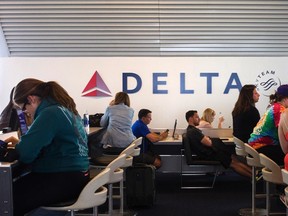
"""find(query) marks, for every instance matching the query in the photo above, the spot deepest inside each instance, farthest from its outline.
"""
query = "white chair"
(116, 175)
(137, 149)
(129, 152)
(239, 147)
(271, 174)
(92, 195)
(253, 160)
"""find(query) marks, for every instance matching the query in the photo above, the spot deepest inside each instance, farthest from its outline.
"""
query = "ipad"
(22, 122)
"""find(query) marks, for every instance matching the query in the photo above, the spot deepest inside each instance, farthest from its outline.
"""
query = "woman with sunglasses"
(55, 147)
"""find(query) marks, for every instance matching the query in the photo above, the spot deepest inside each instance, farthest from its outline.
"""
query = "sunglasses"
(24, 105)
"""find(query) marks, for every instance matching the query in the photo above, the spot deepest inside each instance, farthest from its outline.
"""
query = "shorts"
(221, 153)
(146, 158)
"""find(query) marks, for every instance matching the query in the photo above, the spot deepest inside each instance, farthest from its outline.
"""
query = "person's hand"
(164, 134)
(221, 119)
(12, 141)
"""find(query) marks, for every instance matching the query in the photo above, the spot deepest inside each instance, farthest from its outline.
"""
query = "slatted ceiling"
(145, 28)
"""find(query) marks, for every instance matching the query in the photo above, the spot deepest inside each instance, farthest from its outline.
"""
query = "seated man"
(140, 129)
(212, 149)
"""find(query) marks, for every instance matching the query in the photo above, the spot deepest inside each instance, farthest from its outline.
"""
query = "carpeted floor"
(231, 192)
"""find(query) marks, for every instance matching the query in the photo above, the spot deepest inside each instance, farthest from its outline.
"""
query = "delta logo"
(96, 87)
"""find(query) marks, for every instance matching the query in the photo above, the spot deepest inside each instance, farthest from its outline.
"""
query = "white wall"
(74, 74)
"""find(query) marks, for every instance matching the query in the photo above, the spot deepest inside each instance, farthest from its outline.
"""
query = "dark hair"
(6, 114)
(143, 112)
(47, 90)
(245, 99)
(189, 114)
(122, 97)
(280, 94)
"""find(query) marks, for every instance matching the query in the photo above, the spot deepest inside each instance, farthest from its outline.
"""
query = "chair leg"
(253, 188)
(95, 211)
(110, 199)
(267, 198)
(121, 196)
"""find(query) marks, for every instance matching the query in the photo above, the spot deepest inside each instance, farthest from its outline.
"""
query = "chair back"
(252, 157)
(239, 147)
(115, 172)
(187, 149)
(129, 151)
(138, 141)
(117, 162)
(285, 176)
(271, 171)
(94, 192)
(137, 149)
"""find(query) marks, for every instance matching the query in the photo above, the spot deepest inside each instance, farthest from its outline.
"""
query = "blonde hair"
(208, 115)
(122, 97)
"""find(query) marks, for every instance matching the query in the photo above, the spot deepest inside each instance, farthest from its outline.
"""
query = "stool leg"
(95, 211)
(267, 198)
(253, 188)
(121, 196)
(110, 199)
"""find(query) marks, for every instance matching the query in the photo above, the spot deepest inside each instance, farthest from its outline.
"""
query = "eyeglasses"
(24, 105)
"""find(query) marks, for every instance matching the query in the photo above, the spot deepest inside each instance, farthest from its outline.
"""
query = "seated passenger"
(208, 117)
(9, 116)
(140, 129)
(55, 147)
(118, 121)
(245, 115)
(212, 149)
(264, 138)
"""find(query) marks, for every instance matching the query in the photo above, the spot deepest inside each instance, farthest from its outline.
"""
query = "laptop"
(22, 122)
(174, 129)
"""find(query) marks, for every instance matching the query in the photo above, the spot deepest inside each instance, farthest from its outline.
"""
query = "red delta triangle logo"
(96, 87)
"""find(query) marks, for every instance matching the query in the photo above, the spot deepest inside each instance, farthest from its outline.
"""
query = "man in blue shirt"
(140, 129)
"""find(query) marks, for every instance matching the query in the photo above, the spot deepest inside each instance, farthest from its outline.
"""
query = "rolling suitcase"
(140, 185)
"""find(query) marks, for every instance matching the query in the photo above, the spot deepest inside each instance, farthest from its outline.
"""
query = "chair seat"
(101, 198)
(103, 160)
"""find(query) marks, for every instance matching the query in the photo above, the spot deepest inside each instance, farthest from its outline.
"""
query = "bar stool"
(129, 152)
(92, 195)
(253, 160)
(116, 175)
(239, 147)
(271, 174)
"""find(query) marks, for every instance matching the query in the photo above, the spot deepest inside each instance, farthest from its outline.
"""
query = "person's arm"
(105, 118)
(206, 141)
(283, 131)
(153, 137)
(220, 121)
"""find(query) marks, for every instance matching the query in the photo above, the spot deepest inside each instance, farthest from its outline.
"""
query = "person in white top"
(208, 117)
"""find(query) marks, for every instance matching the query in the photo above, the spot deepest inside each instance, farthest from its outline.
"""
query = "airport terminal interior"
(105, 37)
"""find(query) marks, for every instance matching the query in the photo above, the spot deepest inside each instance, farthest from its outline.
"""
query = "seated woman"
(245, 115)
(55, 147)
(118, 121)
(265, 137)
(208, 117)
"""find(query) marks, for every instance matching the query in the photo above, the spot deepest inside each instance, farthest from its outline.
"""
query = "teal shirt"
(55, 142)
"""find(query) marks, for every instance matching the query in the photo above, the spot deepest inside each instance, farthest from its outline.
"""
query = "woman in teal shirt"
(55, 147)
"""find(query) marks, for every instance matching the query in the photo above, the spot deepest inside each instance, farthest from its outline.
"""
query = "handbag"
(94, 120)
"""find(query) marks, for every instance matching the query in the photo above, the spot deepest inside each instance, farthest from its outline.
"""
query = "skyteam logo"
(267, 83)
(96, 87)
